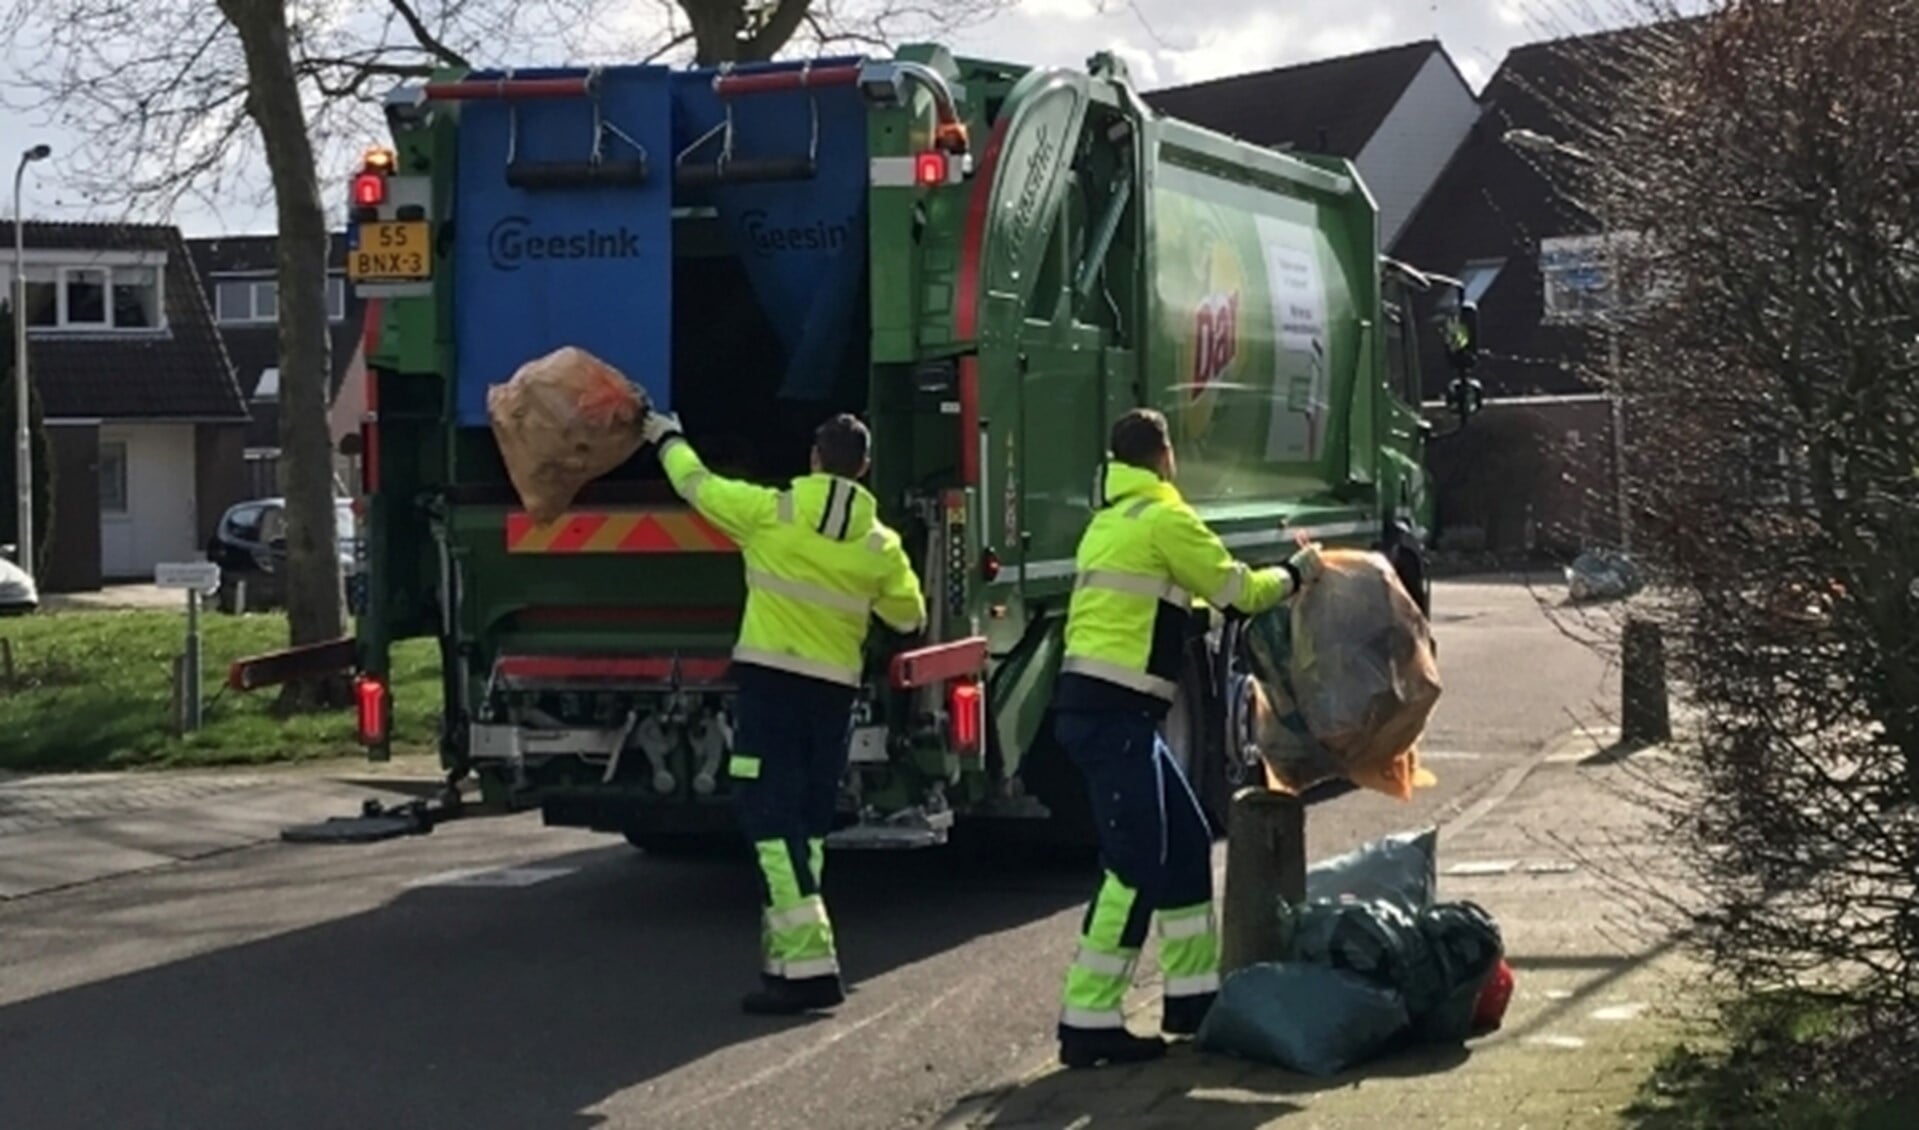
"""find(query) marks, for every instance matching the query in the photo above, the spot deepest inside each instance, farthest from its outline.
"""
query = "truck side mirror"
(1459, 328)
(1464, 397)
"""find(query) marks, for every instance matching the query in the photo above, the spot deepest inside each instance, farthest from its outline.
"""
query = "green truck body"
(1036, 252)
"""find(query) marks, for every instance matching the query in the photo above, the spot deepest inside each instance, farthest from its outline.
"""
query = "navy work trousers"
(790, 749)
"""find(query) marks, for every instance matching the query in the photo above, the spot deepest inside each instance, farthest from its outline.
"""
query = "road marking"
(1551, 867)
(1618, 1012)
(1482, 867)
(495, 877)
(1449, 755)
(1566, 1043)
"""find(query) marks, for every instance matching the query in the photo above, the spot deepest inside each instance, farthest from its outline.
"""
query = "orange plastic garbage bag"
(562, 421)
(1359, 682)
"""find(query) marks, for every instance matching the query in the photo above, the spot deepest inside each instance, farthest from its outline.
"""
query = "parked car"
(250, 547)
(18, 596)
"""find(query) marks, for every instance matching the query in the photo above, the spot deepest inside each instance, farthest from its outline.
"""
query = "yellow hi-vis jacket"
(818, 564)
(1143, 561)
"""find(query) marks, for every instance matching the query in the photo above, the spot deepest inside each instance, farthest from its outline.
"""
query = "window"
(244, 524)
(136, 298)
(258, 300)
(43, 297)
(269, 387)
(113, 478)
(114, 297)
(86, 297)
(1478, 277)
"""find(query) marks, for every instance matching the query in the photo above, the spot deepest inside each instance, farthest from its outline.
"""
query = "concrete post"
(1265, 864)
(1645, 716)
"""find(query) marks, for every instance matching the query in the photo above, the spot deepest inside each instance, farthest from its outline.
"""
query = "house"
(238, 274)
(1538, 468)
(1397, 113)
(145, 421)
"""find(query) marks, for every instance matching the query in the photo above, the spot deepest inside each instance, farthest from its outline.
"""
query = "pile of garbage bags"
(562, 421)
(1372, 965)
(1602, 575)
(1344, 680)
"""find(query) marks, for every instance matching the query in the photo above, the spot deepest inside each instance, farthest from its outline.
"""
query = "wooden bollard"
(1265, 865)
(1645, 715)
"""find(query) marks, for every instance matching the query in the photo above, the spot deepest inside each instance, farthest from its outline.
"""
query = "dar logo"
(1215, 339)
(1212, 351)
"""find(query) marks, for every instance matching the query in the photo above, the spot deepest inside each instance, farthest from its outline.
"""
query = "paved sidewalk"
(1596, 1000)
(62, 830)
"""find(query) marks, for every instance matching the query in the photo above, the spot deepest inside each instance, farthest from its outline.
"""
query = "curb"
(968, 1112)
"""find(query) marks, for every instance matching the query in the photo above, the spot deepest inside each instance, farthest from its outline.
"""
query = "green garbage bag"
(1305, 1018)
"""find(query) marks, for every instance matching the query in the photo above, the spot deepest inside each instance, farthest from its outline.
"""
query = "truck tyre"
(1410, 563)
(1195, 731)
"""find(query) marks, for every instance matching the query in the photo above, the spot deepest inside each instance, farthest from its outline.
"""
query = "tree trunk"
(314, 600)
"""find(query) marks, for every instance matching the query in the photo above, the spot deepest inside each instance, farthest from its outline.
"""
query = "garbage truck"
(988, 264)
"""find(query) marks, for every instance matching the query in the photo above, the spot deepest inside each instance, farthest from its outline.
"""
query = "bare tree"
(1756, 168)
(174, 103)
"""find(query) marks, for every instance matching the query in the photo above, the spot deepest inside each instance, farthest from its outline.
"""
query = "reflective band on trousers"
(809, 593)
(801, 970)
(811, 668)
(809, 913)
(1111, 965)
(1092, 1018)
(1189, 926)
(1124, 676)
(1135, 585)
(1195, 986)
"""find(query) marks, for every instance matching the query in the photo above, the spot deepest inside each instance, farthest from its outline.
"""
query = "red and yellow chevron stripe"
(616, 531)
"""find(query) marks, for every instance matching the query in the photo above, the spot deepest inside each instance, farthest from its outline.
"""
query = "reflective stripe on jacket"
(1144, 561)
(818, 563)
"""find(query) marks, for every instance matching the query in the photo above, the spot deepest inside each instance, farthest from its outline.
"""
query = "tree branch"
(426, 38)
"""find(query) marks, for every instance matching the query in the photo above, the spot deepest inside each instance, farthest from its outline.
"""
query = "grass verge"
(91, 690)
(1777, 1062)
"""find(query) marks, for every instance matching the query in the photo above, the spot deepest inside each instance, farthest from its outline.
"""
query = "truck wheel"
(1410, 564)
(1195, 731)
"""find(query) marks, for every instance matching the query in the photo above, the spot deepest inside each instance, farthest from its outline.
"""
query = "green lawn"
(1763, 1071)
(91, 691)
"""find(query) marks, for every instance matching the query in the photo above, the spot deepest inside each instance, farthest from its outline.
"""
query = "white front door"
(147, 512)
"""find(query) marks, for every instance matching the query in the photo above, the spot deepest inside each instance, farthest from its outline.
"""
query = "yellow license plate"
(399, 250)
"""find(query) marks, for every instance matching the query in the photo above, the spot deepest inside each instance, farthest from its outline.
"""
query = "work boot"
(1183, 1015)
(1082, 1047)
(781, 997)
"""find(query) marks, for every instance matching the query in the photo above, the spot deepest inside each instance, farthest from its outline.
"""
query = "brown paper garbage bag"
(1360, 683)
(562, 421)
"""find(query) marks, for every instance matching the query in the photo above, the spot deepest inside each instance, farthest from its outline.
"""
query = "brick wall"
(1527, 475)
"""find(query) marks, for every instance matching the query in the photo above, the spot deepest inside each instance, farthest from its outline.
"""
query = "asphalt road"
(296, 987)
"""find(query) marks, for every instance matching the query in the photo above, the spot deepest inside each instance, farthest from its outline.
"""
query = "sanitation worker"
(819, 563)
(1143, 560)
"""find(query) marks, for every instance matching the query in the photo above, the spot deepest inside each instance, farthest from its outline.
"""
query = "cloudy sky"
(1166, 42)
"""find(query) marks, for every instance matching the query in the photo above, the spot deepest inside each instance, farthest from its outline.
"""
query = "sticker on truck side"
(616, 531)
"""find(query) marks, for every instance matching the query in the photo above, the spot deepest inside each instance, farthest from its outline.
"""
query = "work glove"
(658, 427)
(1305, 565)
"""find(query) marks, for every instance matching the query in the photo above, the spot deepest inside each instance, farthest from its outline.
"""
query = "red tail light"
(370, 695)
(989, 565)
(930, 168)
(966, 711)
(369, 190)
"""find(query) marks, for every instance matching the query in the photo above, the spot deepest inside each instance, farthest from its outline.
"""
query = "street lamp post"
(1538, 142)
(22, 430)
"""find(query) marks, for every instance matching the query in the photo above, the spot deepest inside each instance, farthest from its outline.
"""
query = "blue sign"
(585, 266)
